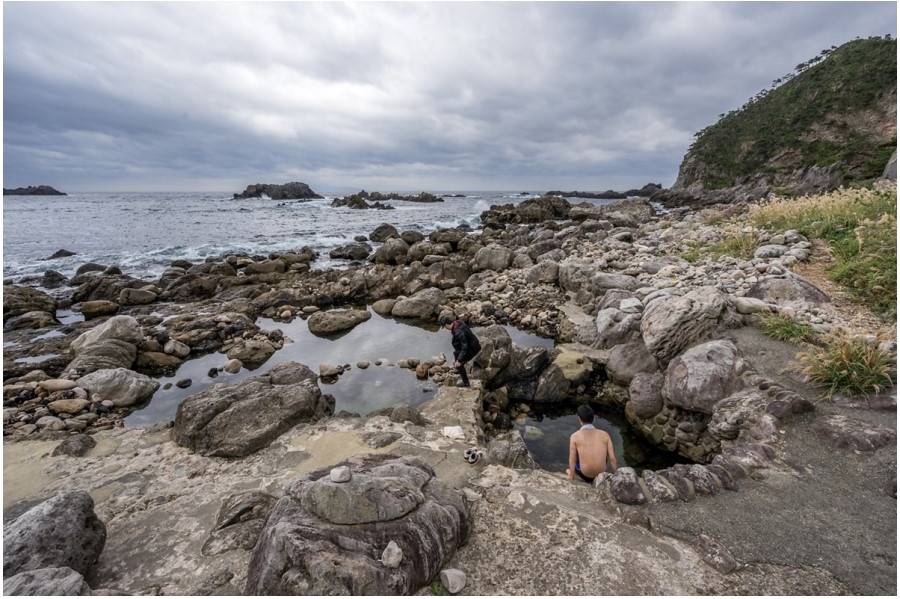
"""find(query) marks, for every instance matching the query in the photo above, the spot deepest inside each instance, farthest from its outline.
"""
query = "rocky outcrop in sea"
(33, 190)
(286, 191)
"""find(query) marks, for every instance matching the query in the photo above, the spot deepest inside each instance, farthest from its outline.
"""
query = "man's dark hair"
(585, 414)
(445, 319)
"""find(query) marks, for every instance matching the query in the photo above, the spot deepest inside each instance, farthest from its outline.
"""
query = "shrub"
(741, 246)
(849, 365)
(860, 226)
(785, 328)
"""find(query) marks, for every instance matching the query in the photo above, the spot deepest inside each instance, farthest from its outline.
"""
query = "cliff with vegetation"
(831, 122)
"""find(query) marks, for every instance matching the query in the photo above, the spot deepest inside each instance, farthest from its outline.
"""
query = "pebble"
(392, 555)
(453, 580)
(362, 364)
(233, 366)
(340, 474)
(184, 383)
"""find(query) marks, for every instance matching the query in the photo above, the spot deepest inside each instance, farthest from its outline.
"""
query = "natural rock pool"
(357, 390)
(547, 438)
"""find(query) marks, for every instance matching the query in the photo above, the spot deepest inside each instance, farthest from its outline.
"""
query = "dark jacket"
(465, 343)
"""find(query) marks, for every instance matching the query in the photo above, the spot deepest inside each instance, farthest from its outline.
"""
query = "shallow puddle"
(35, 359)
(357, 390)
(547, 439)
(68, 316)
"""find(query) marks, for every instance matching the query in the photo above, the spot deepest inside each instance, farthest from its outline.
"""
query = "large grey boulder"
(18, 300)
(575, 273)
(328, 538)
(62, 531)
(627, 360)
(492, 257)
(645, 398)
(615, 327)
(890, 169)
(112, 344)
(329, 322)
(30, 320)
(54, 582)
(670, 324)
(121, 386)
(351, 251)
(602, 281)
(786, 289)
(234, 420)
(383, 232)
(543, 272)
(392, 251)
(423, 305)
(700, 377)
(253, 353)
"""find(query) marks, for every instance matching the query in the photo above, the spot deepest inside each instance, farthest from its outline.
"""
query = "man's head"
(445, 320)
(585, 414)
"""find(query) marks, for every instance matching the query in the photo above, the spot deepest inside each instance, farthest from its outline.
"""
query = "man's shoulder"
(599, 432)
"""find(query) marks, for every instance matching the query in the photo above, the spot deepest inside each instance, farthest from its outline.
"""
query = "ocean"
(143, 232)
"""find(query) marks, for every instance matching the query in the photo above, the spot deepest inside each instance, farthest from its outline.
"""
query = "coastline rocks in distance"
(328, 322)
(61, 532)
(326, 538)
(534, 210)
(32, 190)
(288, 191)
(236, 420)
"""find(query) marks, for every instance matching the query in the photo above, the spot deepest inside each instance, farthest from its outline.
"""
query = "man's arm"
(573, 457)
(463, 346)
(611, 454)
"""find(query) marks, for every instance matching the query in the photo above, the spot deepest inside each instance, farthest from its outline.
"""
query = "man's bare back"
(589, 451)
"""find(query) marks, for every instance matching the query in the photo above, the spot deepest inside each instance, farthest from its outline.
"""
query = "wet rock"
(234, 420)
(51, 385)
(75, 446)
(265, 267)
(384, 306)
(627, 360)
(392, 251)
(670, 325)
(47, 582)
(30, 320)
(423, 305)
(351, 251)
(18, 300)
(62, 531)
(60, 253)
(89, 267)
(568, 370)
(645, 393)
(121, 386)
(232, 366)
(112, 344)
(176, 348)
(96, 308)
(327, 538)
(411, 237)
(252, 353)
(329, 322)
(329, 371)
(853, 433)
(703, 375)
(156, 363)
(134, 297)
(383, 232)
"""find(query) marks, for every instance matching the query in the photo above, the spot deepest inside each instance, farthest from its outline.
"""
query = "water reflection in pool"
(357, 390)
(547, 439)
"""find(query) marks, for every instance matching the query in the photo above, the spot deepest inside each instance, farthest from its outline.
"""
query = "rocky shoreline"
(670, 342)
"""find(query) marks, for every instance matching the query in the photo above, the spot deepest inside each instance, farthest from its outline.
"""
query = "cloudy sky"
(388, 96)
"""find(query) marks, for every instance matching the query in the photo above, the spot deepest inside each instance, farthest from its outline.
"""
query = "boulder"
(602, 281)
(670, 324)
(575, 273)
(492, 257)
(265, 267)
(329, 322)
(112, 344)
(786, 289)
(118, 328)
(327, 538)
(626, 487)
(351, 251)
(544, 272)
(645, 394)
(61, 532)
(96, 308)
(392, 251)
(75, 446)
(509, 449)
(156, 363)
(18, 300)
(411, 237)
(890, 169)
(252, 353)
(30, 320)
(121, 386)
(770, 251)
(453, 580)
(703, 375)
(294, 190)
(45, 582)
(615, 328)
(627, 360)
(383, 232)
(384, 306)
(422, 305)
(568, 370)
(133, 297)
(177, 348)
(234, 420)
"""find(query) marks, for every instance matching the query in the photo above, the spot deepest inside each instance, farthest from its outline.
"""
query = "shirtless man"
(589, 449)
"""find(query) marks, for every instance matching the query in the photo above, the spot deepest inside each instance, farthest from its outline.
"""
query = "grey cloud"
(390, 96)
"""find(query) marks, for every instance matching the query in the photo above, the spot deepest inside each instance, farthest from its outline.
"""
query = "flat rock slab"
(853, 433)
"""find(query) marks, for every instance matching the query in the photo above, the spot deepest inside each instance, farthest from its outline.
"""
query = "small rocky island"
(365, 200)
(287, 191)
(33, 190)
(644, 192)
